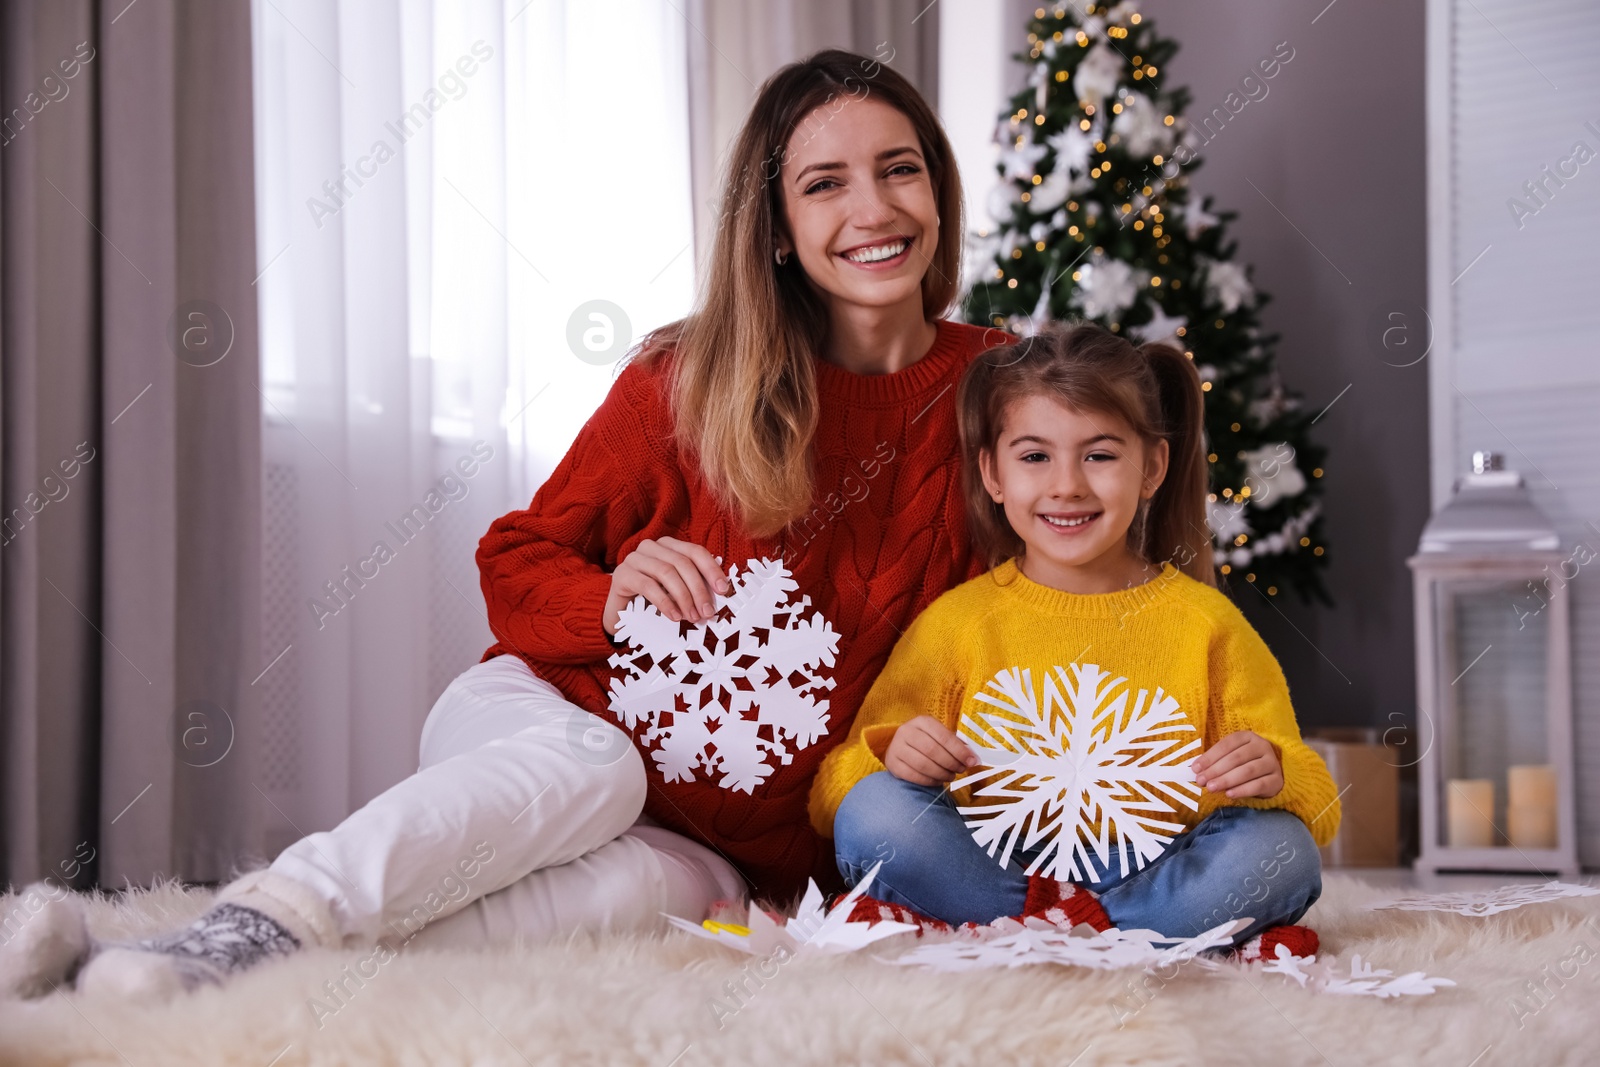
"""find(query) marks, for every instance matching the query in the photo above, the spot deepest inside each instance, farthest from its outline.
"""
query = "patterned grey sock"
(226, 939)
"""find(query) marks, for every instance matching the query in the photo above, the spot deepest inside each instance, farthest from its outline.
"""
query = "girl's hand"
(1243, 764)
(676, 576)
(925, 751)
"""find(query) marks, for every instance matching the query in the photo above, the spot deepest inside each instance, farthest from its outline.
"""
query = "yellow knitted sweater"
(1172, 632)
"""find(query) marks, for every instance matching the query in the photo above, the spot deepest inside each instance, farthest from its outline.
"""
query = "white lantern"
(1494, 681)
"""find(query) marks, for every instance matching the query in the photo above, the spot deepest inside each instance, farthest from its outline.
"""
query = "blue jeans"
(1236, 862)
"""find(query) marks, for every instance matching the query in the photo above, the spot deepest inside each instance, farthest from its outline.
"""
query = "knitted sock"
(1063, 903)
(1301, 941)
(255, 918)
(872, 911)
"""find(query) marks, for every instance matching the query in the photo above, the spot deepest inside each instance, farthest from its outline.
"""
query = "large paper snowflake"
(1089, 765)
(1489, 902)
(733, 697)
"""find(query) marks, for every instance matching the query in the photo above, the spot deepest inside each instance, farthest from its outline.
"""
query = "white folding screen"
(443, 190)
(1514, 224)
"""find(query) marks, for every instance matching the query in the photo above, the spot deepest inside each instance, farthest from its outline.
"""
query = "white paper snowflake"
(733, 697)
(1036, 941)
(1088, 766)
(1363, 980)
(814, 929)
(1489, 902)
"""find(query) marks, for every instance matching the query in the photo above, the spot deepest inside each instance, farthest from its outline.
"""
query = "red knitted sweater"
(887, 536)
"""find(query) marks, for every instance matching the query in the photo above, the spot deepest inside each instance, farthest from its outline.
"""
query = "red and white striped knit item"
(1301, 941)
(1061, 903)
(1066, 905)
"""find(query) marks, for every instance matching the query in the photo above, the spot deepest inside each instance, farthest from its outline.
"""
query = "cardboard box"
(1365, 773)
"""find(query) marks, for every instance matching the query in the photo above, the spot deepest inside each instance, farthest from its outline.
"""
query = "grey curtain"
(129, 441)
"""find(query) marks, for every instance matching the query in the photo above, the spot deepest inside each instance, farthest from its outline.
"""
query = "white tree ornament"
(1271, 473)
(1108, 287)
(1074, 148)
(1162, 328)
(733, 697)
(1228, 285)
(1144, 130)
(1085, 766)
(1098, 72)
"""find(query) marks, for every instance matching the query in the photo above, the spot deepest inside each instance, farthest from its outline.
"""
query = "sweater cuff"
(1309, 792)
(566, 625)
(586, 615)
(877, 738)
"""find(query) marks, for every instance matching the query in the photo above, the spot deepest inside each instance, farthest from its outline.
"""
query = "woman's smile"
(879, 255)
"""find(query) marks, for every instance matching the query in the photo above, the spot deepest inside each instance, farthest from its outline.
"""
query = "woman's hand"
(677, 577)
(1243, 764)
(926, 752)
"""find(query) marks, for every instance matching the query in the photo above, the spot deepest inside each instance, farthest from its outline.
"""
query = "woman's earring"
(779, 257)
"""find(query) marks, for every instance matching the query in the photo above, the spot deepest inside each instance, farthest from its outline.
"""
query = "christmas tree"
(1096, 224)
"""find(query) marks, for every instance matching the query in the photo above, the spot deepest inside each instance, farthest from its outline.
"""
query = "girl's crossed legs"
(1236, 862)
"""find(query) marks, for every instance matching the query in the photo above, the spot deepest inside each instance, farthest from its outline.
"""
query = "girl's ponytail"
(1175, 529)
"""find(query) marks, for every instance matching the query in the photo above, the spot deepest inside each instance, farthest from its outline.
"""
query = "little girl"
(1085, 477)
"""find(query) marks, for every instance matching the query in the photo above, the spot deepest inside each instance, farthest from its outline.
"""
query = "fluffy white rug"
(669, 1002)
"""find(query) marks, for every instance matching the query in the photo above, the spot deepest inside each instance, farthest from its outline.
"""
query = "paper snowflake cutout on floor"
(1363, 980)
(733, 697)
(1079, 770)
(814, 928)
(1489, 902)
(1037, 942)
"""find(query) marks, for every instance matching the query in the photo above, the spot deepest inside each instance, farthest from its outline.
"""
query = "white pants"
(523, 820)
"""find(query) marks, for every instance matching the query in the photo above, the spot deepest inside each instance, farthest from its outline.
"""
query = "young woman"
(804, 412)
(1086, 484)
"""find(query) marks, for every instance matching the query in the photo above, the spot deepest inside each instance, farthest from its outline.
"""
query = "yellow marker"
(731, 928)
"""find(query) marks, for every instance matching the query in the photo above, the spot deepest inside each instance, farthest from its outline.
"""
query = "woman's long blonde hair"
(744, 393)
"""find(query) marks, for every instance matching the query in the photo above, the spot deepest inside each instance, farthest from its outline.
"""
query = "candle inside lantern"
(1531, 811)
(1470, 812)
(1532, 785)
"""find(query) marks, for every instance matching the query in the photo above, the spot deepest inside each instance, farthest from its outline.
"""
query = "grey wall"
(1338, 145)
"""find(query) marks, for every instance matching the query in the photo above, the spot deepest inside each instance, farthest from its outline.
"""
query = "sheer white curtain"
(445, 191)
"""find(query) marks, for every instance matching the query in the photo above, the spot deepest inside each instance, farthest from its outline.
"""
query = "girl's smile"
(1070, 524)
(1071, 483)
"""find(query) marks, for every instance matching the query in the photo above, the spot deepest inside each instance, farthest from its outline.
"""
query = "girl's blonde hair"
(744, 392)
(1152, 387)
